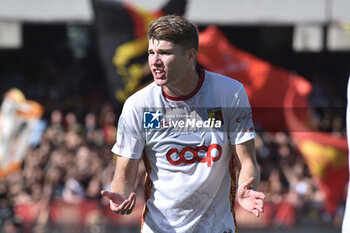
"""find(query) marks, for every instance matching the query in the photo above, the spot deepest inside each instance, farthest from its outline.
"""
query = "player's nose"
(155, 59)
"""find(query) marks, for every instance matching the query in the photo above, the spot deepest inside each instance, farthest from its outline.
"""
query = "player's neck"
(183, 87)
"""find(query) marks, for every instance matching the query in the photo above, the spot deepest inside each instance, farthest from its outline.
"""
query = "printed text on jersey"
(189, 155)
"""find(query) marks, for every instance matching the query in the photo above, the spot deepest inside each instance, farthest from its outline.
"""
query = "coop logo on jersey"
(152, 120)
(189, 155)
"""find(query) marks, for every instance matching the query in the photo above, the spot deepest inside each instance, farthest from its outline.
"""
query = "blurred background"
(66, 68)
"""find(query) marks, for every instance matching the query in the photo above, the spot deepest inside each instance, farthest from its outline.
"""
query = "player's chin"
(160, 82)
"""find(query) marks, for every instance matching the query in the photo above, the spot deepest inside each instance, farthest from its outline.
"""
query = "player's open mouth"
(158, 73)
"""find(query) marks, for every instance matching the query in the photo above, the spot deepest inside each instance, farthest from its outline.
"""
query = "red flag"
(279, 102)
(266, 85)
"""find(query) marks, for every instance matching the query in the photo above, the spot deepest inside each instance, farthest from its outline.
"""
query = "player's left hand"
(249, 199)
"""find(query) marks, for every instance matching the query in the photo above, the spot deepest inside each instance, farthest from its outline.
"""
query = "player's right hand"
(118, 204)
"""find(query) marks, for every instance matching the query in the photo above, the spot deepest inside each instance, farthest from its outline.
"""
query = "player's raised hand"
(118, 204)
(249, 199)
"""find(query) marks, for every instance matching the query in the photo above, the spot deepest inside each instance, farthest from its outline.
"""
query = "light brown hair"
(175, 29)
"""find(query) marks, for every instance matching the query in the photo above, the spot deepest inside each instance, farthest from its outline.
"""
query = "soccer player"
(193, 126)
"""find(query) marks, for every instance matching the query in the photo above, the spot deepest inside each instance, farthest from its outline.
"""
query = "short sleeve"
(241, 126)
(130, 139)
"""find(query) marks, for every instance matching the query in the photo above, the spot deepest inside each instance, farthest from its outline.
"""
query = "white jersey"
(190, 183)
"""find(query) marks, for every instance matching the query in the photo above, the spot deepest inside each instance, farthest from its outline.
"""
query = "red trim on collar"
(199, 85)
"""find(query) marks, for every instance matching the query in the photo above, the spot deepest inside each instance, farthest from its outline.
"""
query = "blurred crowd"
(72, 161)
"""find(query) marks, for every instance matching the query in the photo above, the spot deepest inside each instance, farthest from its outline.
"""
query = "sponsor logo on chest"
(190, 155)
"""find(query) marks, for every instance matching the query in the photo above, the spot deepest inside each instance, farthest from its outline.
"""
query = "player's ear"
(192, 55)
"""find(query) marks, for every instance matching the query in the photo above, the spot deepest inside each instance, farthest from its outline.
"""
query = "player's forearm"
(122, 185)
(249, 169)
(248, 165)
(125, 176)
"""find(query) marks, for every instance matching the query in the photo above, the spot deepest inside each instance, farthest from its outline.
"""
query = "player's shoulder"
(143, 96)
(222, 82)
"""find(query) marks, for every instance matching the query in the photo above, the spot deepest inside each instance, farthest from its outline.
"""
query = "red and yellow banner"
(122, 42)
(325, 155)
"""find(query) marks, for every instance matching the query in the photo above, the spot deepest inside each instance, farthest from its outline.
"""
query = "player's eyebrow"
(162, 50)
(165, 50)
